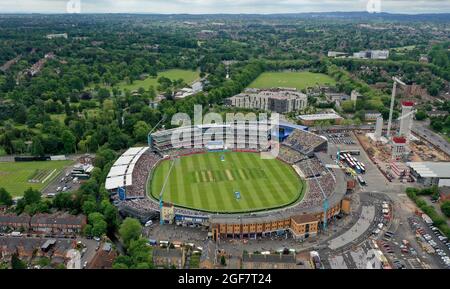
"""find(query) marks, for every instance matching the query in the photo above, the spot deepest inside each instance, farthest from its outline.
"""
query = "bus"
(353, 152)
(361, 181)
(352, 172)
(363, 168)
(81, 176)
(352, 164)
(163, 243)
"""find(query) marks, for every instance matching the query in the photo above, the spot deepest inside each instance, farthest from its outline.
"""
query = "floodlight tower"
(149, 136)
(391, 110)
(161, 203)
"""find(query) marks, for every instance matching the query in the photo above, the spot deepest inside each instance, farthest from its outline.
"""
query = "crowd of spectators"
(316, 173)
(289, 155)
(140, 175)
(311, 167)
(303, 141)
(182, 152)
(149, 206)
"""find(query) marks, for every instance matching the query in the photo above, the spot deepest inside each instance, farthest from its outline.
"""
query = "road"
(421, 128)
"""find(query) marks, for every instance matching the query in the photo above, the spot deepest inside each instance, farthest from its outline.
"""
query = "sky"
(222, 6)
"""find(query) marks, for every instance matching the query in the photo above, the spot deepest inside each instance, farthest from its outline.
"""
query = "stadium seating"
(304, 142)
(298, 149)
(140, 174)
(289, 155)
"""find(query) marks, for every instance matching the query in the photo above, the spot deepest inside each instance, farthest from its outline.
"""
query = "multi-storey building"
(281, 100)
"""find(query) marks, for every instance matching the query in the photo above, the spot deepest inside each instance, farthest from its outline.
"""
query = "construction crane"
(391, 110)
(325, 204)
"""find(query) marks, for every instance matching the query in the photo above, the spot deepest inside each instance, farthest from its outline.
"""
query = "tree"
(421, 115)
(16, 263)
(87, 230)
(37, 149)
(69, 141)
(130, 230)
(164, 83)
(103, 94)
(99, 228)
(151, 92)
(139, 252)
(89, 207)
(140, 131)
(31, 202)
(445, 208)
(32, 196)
(110, 213)
(223, 261)
(119, 266)
(142, 266)
(5, 198)
(348, 106)
(98, 223)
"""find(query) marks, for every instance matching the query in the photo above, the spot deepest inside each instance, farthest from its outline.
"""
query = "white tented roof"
(134, 151)
(129, 180)
(117, 171)
(123, 160)
(114, 183)
(121, 173)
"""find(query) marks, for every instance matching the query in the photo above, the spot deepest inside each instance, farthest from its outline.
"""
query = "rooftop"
(58, 219)
(399, 139)
(320, 116)
(306, 218)
(431, 169)
(270, 258)
(407, 103)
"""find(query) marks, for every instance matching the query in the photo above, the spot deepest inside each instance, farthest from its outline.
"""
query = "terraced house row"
(59, 223)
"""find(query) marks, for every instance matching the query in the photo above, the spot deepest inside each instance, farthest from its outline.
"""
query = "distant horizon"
(232, 7)
(222, 13)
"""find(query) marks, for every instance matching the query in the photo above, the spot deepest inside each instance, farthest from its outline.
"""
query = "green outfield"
(299, 80)
(18, 177)
(205, 182)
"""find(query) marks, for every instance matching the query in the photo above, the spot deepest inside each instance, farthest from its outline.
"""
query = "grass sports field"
(299, 80)
(17, 177)
(205, 182)
(189, 76)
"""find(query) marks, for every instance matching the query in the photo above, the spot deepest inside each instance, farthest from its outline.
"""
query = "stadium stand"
(305, 142)
(289, 155)
(297, 149)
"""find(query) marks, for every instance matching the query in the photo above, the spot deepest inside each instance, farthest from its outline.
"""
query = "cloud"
(222, 6)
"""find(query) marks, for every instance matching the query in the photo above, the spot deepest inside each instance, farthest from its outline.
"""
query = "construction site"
(392, 148)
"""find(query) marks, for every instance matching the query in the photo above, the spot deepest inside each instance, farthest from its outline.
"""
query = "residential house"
(58, 223)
